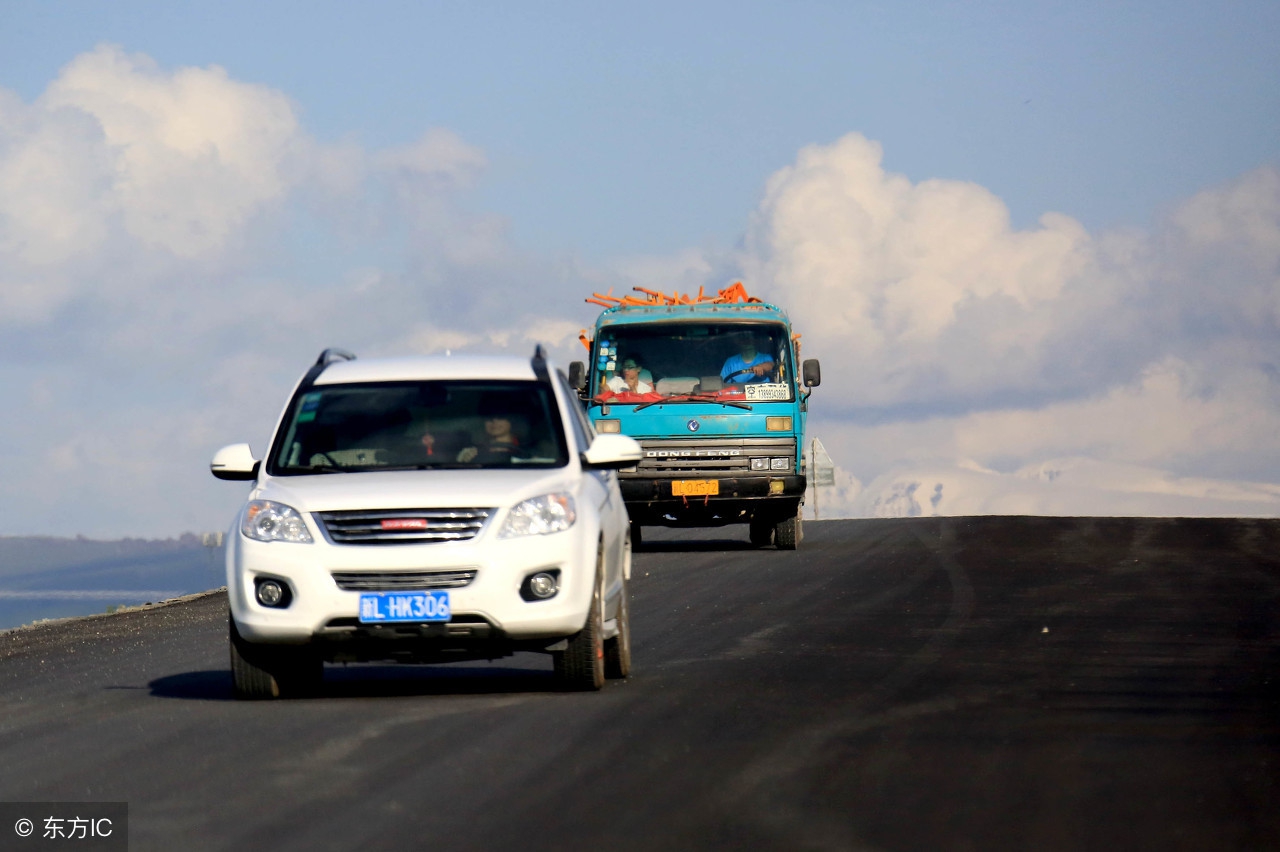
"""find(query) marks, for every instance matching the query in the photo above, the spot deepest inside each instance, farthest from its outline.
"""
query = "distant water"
(44, 577)
(24, 607)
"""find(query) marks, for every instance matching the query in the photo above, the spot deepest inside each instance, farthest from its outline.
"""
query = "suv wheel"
(272, 671)
(581, 665)
(617, 651)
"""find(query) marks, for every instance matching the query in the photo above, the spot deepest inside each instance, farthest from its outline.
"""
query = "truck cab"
(714, 391)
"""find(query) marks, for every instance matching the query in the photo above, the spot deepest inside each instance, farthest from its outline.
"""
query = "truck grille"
(403, 526)
(713, 457)
(401, 581)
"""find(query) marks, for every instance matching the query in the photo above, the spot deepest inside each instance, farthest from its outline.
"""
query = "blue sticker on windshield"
(311, 401)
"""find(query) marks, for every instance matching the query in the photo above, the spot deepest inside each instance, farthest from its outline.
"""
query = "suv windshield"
(419, 425)
(693, 362)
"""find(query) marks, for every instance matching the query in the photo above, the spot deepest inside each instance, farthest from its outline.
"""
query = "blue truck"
(713, 389)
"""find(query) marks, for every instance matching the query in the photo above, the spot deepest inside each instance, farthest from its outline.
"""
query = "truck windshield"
(419, 425)
(692, 362)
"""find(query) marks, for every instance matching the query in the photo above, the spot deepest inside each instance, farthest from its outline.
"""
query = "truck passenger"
(630, 380)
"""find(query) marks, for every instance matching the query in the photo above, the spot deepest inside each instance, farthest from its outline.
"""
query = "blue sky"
(616, 129)
(177, 241)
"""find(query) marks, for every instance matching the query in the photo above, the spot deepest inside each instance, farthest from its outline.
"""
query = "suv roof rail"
(326, 358)
(332, 354)
(539, 364)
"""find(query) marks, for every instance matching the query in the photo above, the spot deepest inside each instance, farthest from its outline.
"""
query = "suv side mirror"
(812, 373)
(611, 452)
(578, 376)
(235, 462)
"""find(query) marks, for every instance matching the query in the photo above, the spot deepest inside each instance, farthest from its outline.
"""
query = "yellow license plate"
(694, 487)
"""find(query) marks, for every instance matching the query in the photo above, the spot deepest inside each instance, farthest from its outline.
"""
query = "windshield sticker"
(306, 417)
(311, 401)
(768, 391)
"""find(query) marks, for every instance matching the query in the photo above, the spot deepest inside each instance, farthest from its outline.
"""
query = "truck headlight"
(550, 513)
(783, 463)
(760, 464)
(267, 521)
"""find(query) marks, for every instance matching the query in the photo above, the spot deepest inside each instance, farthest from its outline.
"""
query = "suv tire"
(272, 671)
(581, 665)
(617, 651)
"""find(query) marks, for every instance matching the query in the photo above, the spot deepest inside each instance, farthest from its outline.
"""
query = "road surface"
(965, 683)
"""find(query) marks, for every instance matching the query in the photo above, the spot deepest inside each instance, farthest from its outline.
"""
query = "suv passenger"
(428, 509)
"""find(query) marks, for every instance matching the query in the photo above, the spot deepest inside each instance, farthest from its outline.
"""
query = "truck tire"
(617, 651)
(272, 671)
(581, 665)
(761, 532)
(787, 534)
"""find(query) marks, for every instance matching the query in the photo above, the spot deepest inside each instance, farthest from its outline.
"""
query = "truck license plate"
(380, 607)
(694, 487)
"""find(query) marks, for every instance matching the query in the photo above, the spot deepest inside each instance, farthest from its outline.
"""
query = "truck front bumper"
(650, 501)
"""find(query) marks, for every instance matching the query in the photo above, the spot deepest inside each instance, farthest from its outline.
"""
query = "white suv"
(428, 509)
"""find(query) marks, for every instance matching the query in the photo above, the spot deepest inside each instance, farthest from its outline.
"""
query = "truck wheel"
(787, 534)
(269, 671)
(761, 532)
(617, 651)
(581, 665)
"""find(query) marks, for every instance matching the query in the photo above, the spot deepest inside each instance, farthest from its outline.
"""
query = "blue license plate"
(378, 607)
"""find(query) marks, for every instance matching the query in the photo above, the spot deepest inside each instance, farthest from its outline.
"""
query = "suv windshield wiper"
(694, 397)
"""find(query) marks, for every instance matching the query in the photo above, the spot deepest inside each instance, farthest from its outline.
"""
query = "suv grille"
(403, 526)
(723, 457)
(401, 581)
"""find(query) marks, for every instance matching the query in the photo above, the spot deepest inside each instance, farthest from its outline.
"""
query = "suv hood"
(412, 489)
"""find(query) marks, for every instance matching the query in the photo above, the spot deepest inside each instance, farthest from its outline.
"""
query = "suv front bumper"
(320, 610)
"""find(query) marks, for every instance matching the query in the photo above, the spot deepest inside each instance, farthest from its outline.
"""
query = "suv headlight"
(550, 513)
(267, 521)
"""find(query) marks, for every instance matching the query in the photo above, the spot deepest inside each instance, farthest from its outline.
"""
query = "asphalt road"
(970, 683)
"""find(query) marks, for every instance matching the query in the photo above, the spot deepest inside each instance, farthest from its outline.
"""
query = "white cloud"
(193, 154)
(439, 155)
(926, 296)
(952, 340)
(175, 249)
(1073, 486)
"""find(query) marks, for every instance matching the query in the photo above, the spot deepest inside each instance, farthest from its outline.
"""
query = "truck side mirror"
(812, 373)
(577, 376)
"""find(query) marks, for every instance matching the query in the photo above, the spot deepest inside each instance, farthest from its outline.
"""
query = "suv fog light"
(760, 464)
(780, 464)
(272, 593)
(541, 586)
